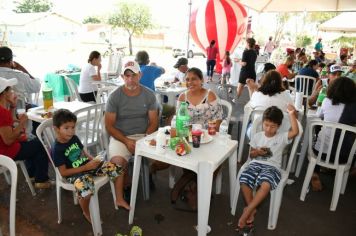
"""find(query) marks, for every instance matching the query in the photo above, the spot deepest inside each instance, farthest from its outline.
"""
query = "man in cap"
(131, 113)
(335, 72)
(10, 69)
(149, 72)
(182, 67)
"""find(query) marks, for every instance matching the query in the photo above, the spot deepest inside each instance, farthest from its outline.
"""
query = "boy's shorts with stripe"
(256, 173)
(84, 182)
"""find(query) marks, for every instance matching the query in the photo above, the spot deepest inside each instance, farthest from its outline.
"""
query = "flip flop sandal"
(247, 230)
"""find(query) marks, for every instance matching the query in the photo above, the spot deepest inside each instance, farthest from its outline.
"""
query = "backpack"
(184, 193)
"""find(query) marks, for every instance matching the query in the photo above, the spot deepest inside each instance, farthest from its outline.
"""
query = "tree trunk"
(130, 44)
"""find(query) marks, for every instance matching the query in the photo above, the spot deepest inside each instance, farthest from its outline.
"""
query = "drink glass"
(212, 127)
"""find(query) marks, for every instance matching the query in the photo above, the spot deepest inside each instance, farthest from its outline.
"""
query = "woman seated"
(309, 70)
(87, 90)
(203, 104)
(339, 106)
(13, 140)
(271, 93)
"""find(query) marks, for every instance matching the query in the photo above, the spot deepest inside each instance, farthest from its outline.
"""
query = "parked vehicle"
(193, 51)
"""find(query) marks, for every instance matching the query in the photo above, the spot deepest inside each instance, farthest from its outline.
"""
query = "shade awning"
(343, 23)
(299, 5)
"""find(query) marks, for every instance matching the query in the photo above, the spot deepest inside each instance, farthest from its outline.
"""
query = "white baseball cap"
(133, 66)
(4, 83)
(335, 68)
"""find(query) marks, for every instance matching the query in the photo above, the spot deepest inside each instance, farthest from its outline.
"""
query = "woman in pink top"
(227, 64)
(211, 53)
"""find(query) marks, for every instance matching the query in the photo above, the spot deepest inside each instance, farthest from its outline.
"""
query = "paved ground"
(38, 215)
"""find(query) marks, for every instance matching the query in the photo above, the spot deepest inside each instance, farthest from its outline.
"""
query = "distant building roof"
(20, 19)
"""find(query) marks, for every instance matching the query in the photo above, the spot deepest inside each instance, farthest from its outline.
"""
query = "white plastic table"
(35, 113)
(171, 93)
(203, 161)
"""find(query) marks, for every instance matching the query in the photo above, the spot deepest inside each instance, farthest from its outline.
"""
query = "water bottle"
(161, 141)
(47, 96)
(183, 121)
(223, 130)
(321, 96)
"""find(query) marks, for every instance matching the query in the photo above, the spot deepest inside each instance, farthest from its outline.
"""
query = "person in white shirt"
(87, 90)
(263, 171)
(271, 92)
(182, 67)
(9, 69)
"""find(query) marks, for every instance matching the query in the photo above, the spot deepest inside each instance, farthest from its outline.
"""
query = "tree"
(91, 19)
(320, 17)
(282, 19)
(133, 17)
(30, 6)
(303, 41)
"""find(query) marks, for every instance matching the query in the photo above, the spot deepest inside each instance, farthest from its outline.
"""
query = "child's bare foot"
(316, 183)
(87, 217)
(247, 217)
(122, 203)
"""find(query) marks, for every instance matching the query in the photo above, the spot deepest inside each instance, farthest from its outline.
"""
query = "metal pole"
(190, 13)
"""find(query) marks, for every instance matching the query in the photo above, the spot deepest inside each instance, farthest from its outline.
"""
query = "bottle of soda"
(223, 131)
(324, 73)
(183, 121)
(47, 96)
(321, 96)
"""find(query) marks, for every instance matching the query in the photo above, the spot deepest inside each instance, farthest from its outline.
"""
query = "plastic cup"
(21, 111)
(196, 136)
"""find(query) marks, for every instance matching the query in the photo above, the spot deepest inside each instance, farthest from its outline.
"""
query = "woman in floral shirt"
(203, 104)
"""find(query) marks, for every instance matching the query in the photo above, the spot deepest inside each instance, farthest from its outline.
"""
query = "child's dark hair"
(273, 114)
(62, 116)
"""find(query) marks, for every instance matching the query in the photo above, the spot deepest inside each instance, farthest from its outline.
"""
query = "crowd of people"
(132, 112)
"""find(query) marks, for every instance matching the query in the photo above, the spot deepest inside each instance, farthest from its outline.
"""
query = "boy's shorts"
(256, 173)
(84, 182)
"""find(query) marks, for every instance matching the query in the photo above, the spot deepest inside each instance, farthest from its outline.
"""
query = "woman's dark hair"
(228, 59)
(62, 116)
(251, 42)
(271, 83)
(342, 90)
(268, 66)
(312, 63)
(212, 42)
(196, 71)
(93, 55)
(142, 58)
(273, 114)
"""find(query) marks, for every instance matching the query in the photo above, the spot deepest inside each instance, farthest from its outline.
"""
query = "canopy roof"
(300, 5)
(344, 23)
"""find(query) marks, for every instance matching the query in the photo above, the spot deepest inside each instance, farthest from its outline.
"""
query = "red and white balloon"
(224, 21)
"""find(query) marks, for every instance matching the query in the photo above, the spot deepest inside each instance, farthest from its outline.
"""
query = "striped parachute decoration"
(225, 21)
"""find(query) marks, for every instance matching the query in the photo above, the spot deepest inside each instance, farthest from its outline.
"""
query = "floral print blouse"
(204, 111)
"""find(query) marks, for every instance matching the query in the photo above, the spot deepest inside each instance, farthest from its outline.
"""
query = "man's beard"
(131, 87)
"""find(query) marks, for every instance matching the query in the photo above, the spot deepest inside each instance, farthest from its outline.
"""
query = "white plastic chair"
(276, 194)
(304, 83)
(104, 92)
(46, 135)
(228, 108)
(72, 88)
(10, 165)
(342, 170)
(88, 125)
(249, 113)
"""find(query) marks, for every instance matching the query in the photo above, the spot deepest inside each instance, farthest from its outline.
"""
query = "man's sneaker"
(233, 100)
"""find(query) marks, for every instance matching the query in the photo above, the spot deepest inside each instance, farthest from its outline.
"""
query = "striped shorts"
(256, 173)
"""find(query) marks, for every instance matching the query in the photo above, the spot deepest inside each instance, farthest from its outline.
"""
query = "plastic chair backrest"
(11, 166)
(302, 84)
(88, 125)
(284, 127)
(45, 134)
(73, 89)
(227, 110)
(104, 92)
(338, 133)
